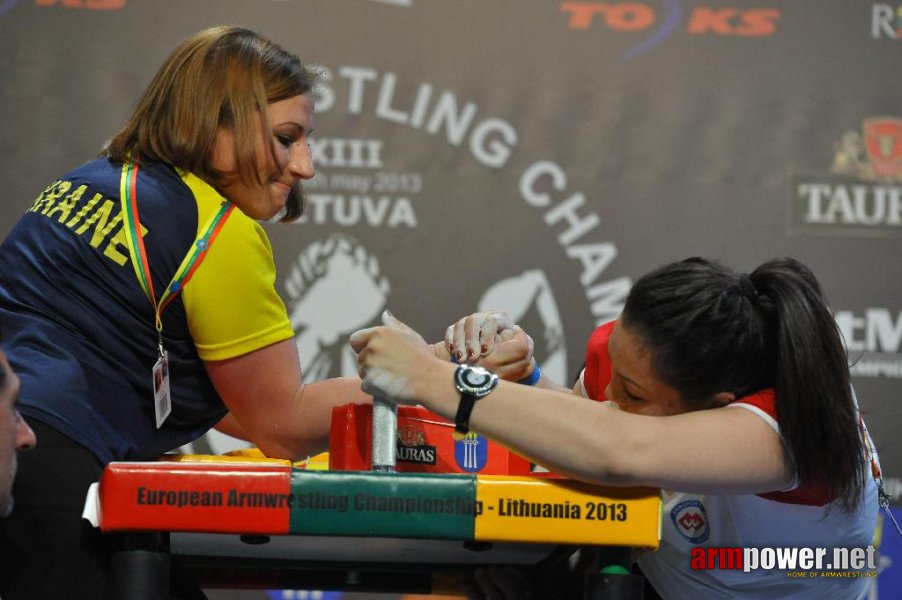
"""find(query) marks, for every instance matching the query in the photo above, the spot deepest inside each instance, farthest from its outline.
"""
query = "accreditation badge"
(161, 399)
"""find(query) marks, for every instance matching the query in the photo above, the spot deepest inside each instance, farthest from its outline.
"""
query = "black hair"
(710, 330)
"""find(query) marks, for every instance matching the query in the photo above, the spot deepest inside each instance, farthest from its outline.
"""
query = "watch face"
(475, 380)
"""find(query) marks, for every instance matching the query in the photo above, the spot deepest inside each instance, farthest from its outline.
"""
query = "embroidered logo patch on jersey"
(691, 520)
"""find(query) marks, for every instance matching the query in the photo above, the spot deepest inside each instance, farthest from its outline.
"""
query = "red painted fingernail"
(485, 348)
(459, 355)
(470, 353)
(451, 348)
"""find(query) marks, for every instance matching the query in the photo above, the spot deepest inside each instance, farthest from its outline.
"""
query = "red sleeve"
(763, 400)
(810, 494)
(597, 375)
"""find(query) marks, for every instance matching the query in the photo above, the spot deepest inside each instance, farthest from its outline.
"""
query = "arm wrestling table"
(254, 523)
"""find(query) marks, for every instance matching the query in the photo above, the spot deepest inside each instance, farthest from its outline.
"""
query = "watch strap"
(462, 419)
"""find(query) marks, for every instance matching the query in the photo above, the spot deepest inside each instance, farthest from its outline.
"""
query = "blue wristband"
(533, 377)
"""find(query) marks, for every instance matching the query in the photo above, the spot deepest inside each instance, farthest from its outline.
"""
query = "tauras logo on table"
(412, 447)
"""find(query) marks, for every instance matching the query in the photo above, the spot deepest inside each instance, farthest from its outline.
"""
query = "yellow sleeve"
(231, 301)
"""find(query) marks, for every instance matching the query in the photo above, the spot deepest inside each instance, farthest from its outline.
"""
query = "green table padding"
(398, 504)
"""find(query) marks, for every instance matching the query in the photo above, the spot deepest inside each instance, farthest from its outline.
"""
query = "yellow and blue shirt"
(80, 332)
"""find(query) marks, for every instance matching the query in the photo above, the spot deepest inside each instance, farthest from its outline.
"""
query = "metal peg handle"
(385, 435)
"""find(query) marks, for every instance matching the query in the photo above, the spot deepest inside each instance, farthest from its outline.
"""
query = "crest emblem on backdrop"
(873, 154)
(883, 141)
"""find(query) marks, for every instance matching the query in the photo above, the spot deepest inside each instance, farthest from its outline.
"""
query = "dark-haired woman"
(734, 396)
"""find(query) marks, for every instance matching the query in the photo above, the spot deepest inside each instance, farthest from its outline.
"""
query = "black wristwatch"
(473, 383)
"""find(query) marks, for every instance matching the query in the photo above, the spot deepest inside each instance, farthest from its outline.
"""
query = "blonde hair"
(220, 77)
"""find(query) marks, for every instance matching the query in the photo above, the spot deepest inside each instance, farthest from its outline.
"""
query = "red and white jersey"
(801, 516)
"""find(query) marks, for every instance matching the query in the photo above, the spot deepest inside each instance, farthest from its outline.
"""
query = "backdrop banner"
(535, 156)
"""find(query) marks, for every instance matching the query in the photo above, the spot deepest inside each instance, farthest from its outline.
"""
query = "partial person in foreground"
(734, 397)
(15, 434)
